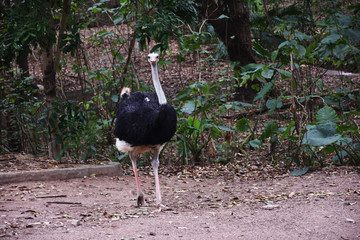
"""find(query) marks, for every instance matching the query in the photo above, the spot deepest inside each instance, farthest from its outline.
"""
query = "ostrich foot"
(162, 207)
(141, 201)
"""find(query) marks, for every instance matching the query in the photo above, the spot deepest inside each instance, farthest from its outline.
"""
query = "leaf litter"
(200, 201)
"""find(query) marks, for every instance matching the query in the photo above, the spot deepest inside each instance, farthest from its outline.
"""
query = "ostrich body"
(145, 122)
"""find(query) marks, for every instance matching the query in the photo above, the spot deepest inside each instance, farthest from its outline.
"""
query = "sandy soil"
(319, 205)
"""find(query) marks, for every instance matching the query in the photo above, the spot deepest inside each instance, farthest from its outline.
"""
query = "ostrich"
(145, 121)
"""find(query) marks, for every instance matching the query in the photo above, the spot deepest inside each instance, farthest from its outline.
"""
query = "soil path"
(315, 206)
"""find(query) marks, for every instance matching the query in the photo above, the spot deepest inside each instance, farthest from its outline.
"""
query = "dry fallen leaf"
(292, 194)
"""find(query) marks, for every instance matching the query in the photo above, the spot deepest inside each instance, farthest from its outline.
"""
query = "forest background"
(253, 82)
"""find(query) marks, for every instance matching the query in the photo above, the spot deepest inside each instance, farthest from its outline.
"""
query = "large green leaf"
(300, 50)
(302, 36)
(264, 91)
(331, 39)
(242, 125)
(253, 67)
(267, 73)
(343, 20)
(287, 130)
(232, 106)
(224, 128)
(326, 115)
(194, 123)
(118, 19)
(339, 156)
(341, 51)
(353, 35)
(188, 107)
(270, 129)
(284, 74)
(223, 16)
(260, 50)
(256, 143)
(273, 103)
(115, 98)
(321, 135)
(299, 172)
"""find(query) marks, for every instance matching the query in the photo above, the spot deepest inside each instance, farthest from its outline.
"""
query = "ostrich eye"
(148, 57)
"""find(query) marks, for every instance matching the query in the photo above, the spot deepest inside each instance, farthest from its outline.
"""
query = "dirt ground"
(319, 205)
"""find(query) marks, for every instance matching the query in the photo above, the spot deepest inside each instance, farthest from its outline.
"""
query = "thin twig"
(76, 203)
(52, 196)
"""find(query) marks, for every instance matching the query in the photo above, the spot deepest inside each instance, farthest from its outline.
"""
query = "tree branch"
(64, 17)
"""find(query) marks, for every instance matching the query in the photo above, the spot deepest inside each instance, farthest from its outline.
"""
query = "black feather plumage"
(141, 120)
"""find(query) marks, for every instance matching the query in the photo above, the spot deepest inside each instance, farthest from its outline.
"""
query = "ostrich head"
(153, 58)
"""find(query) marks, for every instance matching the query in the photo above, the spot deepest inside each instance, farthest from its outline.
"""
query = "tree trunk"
(22, 61)
(230, 19)
(49, 78)
(51, 54)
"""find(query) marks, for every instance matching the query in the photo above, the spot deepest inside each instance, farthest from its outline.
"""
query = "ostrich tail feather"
(125, 90)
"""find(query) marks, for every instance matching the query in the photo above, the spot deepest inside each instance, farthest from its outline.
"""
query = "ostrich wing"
(141, 120)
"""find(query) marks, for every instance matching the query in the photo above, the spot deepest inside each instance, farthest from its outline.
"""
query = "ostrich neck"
(159, 92)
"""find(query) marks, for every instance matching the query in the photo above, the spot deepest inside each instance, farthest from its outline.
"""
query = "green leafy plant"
(81, 131)
(326, 133)
(20, 105)
(197, 123)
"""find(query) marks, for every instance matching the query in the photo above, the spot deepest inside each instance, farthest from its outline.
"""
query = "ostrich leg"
(155, 164)
(140, 196)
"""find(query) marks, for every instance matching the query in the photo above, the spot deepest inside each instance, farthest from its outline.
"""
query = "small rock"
(270, 206)
(75, 222)
(152, 234)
